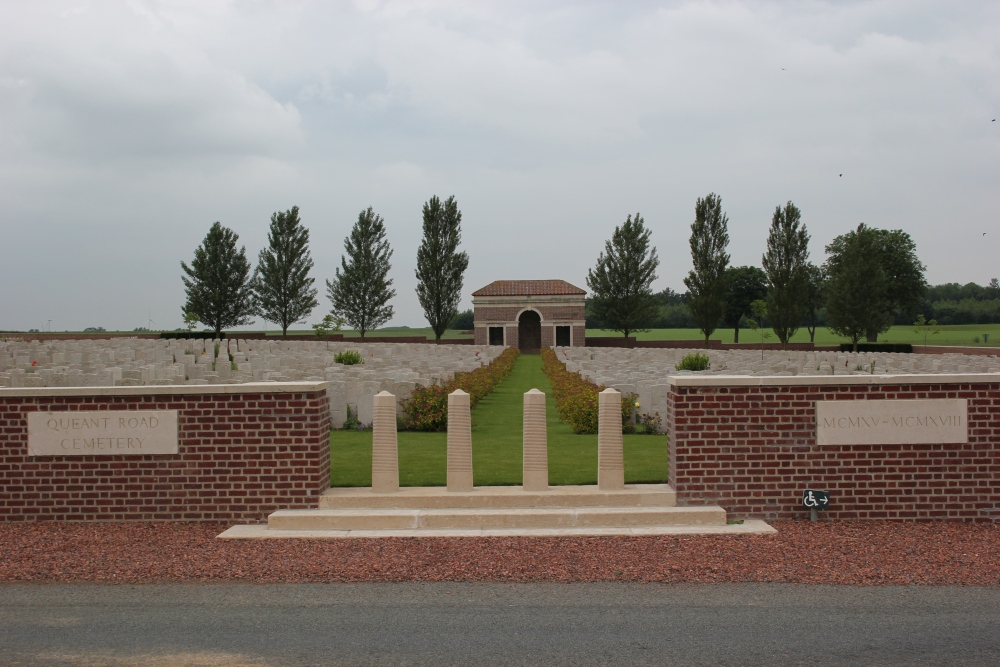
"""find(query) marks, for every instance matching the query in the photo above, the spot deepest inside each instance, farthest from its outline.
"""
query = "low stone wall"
(750, 444)
(243, 451)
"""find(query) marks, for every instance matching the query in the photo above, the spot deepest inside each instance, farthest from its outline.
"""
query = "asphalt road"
(497, 624)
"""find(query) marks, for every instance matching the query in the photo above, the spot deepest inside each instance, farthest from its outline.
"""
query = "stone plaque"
(891, 422)
(103, 433)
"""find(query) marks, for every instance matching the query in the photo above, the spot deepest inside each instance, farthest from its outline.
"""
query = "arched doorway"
(529, 331)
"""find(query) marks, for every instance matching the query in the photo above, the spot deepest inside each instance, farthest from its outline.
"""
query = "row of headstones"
(535, 470)
(397, 367)
(656, 362)
(643, 371)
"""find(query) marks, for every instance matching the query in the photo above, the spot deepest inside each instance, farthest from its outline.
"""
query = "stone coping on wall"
(829, 380)
(167, 390)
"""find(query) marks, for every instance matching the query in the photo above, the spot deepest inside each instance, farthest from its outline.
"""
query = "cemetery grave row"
(393, 367)
(644, 371)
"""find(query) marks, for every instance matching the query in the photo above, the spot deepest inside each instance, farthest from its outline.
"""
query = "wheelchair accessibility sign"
(815, 500)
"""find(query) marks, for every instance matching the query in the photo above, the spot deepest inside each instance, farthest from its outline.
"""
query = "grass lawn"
(496, 445)
(955, 334)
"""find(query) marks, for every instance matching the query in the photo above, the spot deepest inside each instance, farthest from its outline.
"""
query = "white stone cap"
(459, 392)
(167, 389)
(534, 391)
(829, 380)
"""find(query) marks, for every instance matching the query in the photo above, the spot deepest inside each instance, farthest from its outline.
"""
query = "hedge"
(878, 347)
(427, 407)
(577, 398)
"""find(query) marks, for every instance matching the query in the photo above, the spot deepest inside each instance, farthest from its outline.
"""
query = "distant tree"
(926, 327)
(785, 265)
(815, 296)
(440, 266)
(360, 291)
(758, 311)
(620, 283)
(744, 285)
(218, 282)
(327, 325)
(857, 298)
(706, 282)
(282, 286)
(191, 320)
(464, 321)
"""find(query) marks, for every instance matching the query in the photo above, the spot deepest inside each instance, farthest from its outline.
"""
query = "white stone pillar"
(610, 462)
(459, 442)
(385, 451)
(535, 470)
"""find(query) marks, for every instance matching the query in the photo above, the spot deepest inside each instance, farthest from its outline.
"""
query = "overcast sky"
(128, 128)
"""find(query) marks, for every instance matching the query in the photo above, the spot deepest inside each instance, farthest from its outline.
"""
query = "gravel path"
(856, 553)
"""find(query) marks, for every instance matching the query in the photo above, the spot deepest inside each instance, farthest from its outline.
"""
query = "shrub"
(650, 424)
(348, 358)
(577, 399)
(427, 407)
(351, 422)
(694, 362)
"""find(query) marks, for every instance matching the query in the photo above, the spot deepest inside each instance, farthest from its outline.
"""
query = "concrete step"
(436, 497)
(494, 518)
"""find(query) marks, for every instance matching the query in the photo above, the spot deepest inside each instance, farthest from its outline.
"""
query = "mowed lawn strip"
(497, 446)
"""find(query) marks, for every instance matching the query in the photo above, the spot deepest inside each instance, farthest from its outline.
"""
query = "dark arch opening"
(529, 331)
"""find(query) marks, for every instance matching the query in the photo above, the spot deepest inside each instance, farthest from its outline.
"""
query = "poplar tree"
(706, 282)
(440, 266)
(620, 284)
(360, 291)
(815, 295)
(282, 284)
(218, 282)
(785, 265)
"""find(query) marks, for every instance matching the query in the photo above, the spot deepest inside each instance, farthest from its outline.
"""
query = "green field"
(496, 445)
(956, 334)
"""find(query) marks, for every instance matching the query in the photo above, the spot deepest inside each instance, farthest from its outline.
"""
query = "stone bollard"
(610, 462)
(385, 452)
(536, 454)
(459, 442)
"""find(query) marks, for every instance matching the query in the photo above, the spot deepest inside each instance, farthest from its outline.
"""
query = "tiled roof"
(528, 288)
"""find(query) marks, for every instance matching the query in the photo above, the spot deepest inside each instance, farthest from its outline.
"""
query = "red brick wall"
(753, 450)
(241, 456)
(485, 314)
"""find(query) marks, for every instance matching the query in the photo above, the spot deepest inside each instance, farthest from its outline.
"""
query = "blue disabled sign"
(815, 500)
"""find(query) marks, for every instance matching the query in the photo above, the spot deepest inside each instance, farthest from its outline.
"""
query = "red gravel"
(863, 553)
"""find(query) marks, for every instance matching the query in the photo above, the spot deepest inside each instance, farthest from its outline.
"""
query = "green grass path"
(496, 444)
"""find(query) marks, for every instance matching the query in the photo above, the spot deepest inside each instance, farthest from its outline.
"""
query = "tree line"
(224, 291)
(871, 279)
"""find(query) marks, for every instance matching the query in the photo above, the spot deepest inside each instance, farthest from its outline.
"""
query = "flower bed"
(577, 398)
(427, 407)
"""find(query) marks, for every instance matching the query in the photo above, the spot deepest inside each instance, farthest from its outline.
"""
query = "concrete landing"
(261, 532)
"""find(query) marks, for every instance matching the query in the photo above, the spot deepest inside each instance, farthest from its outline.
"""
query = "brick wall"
(487, 314)
(244, 451)
(752, 450)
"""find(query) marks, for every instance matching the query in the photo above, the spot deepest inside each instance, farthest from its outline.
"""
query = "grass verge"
(496, 444)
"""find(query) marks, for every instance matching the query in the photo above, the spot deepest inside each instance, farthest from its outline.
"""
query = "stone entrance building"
(530, 314)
